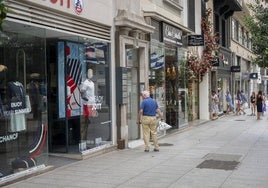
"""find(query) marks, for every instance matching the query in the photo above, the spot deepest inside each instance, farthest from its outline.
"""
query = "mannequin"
(16, 100)
(87, 89)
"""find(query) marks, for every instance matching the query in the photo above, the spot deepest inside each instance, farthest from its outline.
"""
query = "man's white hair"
(145, 93)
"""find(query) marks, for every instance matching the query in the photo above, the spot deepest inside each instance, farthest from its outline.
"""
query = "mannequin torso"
(88, 89)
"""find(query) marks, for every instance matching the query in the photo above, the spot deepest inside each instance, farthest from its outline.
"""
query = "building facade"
(168, 79)
(242, 53)
(221, 76)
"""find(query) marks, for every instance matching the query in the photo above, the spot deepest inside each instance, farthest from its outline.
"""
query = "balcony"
(228, 7)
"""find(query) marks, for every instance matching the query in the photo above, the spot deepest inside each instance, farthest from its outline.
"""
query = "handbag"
(163, 126)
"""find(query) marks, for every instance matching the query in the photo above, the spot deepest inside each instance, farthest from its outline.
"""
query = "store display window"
(96, 126)
(23, 99)
(157, 74)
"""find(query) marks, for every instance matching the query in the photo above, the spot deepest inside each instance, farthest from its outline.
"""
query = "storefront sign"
(196, 40)
(88, 10)
(77, 4)
(253, 75)
(65, 3)
(172, 34)
(235, 68)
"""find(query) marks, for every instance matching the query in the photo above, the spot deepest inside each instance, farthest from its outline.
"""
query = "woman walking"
(239, 107)
(230, 106)
(259, 105)
(214, 105)
(253, 103)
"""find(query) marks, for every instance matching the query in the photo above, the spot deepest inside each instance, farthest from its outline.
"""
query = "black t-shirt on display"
(15, 96)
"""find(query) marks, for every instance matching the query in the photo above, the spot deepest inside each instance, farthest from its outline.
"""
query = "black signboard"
(215, 62)
(172, 34)
(253, 75)
(235, 68)
(196, 40)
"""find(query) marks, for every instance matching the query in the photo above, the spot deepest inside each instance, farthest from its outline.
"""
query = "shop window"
(23, 99)
(79, 97)
(96, 123)
(157, 76)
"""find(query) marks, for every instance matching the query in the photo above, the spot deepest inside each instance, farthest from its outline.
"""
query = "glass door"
(133, 93)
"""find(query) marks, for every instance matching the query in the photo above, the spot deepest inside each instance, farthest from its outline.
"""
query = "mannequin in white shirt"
(87, 89)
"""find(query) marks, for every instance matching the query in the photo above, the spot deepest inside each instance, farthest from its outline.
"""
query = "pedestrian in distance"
(259, 103)
(214, 105)
(244, 99)
(220, 99)
(230, 105)
(147, 117)
(263, 105)
(253, 103)
(239, 107)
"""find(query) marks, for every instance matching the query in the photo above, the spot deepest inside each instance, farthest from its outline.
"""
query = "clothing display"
(16, 101)
(15, 96)
(17, 122)
(87, 89)
(87, 92)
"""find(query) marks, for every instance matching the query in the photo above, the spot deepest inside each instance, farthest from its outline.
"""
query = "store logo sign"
(62, 2)
(78, 6)
(253, 75)
(235, 69)
(172, 34)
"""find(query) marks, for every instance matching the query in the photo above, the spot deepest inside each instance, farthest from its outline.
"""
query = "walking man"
(147, 117)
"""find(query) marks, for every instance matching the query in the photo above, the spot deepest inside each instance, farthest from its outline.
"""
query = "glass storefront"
(43, 106)
(23, 101)
(172, 86)
(96, 125)
(79, 108)
(177, 103)
(168, 82)
(157, 74)
(183, 90)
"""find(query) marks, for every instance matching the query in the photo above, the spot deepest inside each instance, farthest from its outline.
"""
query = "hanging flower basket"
(200, 66)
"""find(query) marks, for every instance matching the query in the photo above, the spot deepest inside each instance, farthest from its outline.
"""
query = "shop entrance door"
(133, 93)
(64, 129)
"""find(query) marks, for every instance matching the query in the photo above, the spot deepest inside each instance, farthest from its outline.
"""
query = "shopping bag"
(245, 105)
(163, 126)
